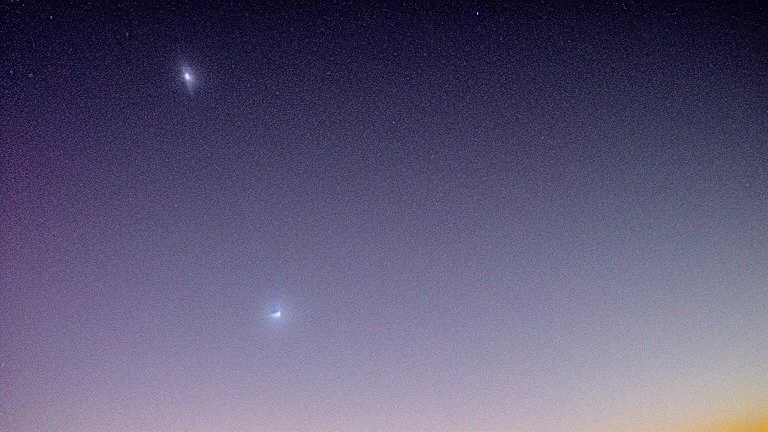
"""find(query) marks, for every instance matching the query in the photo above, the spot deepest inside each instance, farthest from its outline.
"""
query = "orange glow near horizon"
(759, 424)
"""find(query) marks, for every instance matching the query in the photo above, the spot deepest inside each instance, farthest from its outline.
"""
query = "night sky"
(391, 217)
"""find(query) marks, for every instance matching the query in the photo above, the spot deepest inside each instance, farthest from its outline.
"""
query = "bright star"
(189, 78)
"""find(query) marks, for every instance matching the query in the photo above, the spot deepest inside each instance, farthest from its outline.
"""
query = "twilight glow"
(357, 216)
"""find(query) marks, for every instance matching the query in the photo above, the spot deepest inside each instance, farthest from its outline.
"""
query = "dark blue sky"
(524, 217)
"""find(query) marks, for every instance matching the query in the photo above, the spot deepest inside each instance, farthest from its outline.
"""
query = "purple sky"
(524, 218)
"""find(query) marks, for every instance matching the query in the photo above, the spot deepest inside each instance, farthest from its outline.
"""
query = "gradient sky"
(520, 218)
